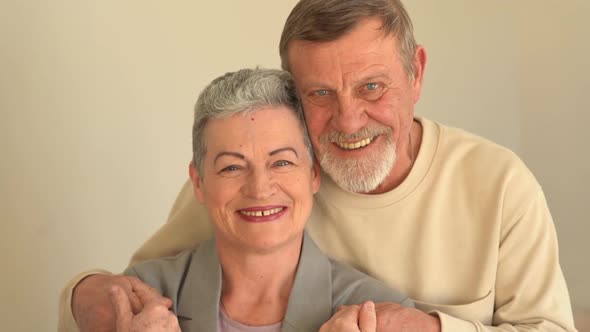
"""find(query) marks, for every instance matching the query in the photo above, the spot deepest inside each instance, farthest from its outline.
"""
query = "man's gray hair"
(328, 20)
(240, 92)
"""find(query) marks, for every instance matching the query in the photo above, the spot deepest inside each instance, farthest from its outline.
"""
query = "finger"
(387, 306)
(367, 317)
(122, 308)
(349, 315)
(136, 304)
(344, 320)
(147, 294)
(344, 307)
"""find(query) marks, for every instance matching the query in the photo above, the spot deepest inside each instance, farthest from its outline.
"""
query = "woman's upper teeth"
(261, 213)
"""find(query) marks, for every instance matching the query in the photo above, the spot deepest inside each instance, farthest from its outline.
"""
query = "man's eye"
(372, 86)
(371, 91)
(320, 97)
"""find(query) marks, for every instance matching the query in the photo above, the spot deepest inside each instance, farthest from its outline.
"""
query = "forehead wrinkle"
(369, 72)
(334, 80)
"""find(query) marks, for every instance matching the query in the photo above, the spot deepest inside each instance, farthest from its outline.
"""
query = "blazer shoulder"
(350, 286)
(165, 274)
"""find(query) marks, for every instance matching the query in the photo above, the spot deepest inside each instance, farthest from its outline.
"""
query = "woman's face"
(258, 180)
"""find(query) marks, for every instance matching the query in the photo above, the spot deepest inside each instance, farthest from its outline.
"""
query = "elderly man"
(455, 221)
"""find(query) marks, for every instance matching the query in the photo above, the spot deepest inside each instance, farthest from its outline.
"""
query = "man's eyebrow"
(272, 153)
(231, 154)
(312, 86)
(371, 77)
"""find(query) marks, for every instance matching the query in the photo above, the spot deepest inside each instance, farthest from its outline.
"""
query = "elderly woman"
(253, 169)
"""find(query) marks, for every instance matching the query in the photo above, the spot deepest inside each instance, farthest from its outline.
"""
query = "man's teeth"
(354, 145)
(261, 213)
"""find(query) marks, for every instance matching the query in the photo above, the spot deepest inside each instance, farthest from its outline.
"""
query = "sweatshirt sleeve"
(187, 226)
(65, 320)
(530, 291)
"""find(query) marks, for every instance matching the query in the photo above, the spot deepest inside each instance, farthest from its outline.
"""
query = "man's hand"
(92, 307)
(396, 318)
(155, 315)
(353, 318)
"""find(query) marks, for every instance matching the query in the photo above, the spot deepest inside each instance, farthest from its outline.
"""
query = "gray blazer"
(192, 280)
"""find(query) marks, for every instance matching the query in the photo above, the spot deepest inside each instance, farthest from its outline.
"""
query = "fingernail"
(370, 305)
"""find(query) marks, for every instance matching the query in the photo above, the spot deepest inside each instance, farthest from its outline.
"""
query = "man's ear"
(419, 67)
(197, 182)
(316, 178)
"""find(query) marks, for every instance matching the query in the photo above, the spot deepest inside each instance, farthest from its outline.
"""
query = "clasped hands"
(125, 304)
(107, 303)
(377, 317)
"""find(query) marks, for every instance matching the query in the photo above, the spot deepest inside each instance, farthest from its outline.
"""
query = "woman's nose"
(259, 185)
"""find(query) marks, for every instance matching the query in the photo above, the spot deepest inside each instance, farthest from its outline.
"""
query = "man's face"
(358, 103)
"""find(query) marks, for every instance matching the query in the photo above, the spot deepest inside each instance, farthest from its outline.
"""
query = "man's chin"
(360, 174)
(359, 179)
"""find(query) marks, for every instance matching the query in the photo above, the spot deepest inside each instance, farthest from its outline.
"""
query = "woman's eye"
(230, 168)
(282, 163)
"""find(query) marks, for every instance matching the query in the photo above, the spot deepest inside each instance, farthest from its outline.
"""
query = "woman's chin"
(269, 243)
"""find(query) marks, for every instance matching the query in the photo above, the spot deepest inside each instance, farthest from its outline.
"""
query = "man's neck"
(406, 159)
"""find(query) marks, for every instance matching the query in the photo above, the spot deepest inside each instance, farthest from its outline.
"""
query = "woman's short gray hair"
(241, 92)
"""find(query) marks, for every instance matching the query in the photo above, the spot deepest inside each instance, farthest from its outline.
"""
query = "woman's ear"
(197, 182)
(315, 173)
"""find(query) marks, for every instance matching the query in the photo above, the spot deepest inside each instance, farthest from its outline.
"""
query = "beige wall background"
(96, 100)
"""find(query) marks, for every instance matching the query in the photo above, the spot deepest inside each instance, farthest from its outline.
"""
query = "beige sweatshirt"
(468, 235)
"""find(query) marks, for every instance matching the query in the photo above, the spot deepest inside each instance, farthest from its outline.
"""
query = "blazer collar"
(310, 301)
(198, 302)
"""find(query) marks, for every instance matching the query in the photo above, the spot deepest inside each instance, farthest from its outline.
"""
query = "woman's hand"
(154, 317)
(353, 318)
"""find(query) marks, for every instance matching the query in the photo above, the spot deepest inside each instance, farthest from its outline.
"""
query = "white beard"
(360, 175)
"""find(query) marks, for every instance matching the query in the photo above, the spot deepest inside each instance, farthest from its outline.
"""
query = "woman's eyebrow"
(283, 149)
(231, 154)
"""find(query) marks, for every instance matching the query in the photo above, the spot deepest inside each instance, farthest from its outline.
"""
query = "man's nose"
(350, 116)
(260, 184)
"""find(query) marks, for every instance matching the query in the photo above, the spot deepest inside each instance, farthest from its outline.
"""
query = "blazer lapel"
(198, 303)
(310, 301)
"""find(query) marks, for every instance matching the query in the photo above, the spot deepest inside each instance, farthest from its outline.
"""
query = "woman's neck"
(256, 285)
